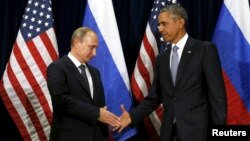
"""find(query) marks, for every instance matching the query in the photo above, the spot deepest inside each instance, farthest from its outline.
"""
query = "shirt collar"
(182, 42)
(74, 60)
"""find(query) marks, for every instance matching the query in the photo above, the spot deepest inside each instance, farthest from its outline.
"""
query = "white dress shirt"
(77, 64)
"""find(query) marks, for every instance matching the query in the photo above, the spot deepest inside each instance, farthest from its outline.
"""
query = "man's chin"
(166, 39)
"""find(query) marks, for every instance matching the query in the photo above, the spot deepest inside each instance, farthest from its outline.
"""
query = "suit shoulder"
(58, 63)
(207, 47)
(93, 69)
(204, 43)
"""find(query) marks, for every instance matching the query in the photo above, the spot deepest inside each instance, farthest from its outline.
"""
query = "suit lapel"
(166, 59)
(94, 81)
(186, 55)
(76, 74)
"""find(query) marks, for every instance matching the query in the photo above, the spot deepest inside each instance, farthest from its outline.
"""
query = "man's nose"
(160, 28)
(94, 52)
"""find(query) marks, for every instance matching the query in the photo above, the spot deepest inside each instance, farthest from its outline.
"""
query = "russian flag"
(232, 38)
(99, 16)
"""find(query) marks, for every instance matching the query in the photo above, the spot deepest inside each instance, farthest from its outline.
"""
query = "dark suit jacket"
(199, 91)
(75, 113)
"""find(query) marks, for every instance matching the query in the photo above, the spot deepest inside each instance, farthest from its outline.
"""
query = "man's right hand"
(125, 120)
(109, 118)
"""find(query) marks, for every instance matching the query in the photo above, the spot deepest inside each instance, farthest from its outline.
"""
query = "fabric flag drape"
(23, 87)
(100, 17)
(232, 38)
(143, 74)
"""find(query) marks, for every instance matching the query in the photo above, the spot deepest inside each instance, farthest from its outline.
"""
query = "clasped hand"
(117, 123)
(125, 120)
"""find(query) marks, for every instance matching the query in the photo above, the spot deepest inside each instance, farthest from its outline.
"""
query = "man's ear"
(181, 22)
(76, 42)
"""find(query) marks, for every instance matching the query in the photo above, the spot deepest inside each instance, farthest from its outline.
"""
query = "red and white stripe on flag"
(142, 79)
(23, 87)
(143, 74)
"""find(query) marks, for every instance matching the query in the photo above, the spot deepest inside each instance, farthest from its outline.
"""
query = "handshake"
(117, 123)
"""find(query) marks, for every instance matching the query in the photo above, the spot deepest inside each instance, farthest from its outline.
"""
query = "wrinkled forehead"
(91, 39)
(90, 36)
(169, 14)
(166, 17)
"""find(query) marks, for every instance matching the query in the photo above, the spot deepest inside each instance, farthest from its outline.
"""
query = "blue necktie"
(174, 63)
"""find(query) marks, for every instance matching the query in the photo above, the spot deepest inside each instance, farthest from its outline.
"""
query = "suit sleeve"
(63, 103)
(149, 103)
(215, 85)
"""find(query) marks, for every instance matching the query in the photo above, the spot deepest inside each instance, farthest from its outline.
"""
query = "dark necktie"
(84, 75)
(174, 63)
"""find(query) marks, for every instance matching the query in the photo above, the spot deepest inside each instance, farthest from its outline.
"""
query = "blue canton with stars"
(37, 18)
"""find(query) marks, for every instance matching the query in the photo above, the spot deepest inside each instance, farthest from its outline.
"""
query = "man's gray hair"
(177, 11)
(80, 33)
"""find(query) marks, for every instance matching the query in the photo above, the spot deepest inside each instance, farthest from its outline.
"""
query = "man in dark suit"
(188, 82)
(77, 94)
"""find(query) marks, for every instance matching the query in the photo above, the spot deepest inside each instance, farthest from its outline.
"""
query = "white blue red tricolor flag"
(100, 17)
(232, 38)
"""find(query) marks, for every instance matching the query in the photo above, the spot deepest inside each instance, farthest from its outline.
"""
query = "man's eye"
(91, 47)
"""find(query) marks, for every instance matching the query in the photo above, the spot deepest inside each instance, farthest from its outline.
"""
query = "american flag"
(23, 86)
(143, 74)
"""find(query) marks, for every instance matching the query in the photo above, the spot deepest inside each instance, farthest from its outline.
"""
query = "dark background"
(131, 16)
